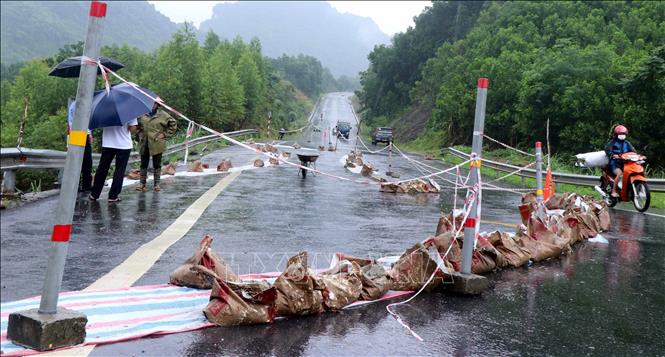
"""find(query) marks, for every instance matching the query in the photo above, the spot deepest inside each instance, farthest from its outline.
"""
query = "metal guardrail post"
(477, 146)
(9, 181)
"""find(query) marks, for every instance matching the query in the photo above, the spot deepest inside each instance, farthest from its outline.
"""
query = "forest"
(226, 85)
(584, 66)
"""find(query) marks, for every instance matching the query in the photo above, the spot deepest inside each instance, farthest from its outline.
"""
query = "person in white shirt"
(116, 143)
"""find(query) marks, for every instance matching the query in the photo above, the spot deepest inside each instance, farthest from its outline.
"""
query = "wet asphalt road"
(604, 299)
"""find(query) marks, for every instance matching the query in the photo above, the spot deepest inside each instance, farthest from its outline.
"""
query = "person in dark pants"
(116, 143)
(153, 131)
(86, 167)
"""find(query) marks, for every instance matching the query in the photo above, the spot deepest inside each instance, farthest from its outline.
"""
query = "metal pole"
(77, 139)
(477, 146)
(539, 174)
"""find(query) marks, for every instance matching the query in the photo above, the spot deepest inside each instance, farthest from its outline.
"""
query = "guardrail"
(655, 185)
(12, 159)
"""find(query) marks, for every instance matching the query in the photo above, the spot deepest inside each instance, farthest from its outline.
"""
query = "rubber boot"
(142, 181)
(157, 176)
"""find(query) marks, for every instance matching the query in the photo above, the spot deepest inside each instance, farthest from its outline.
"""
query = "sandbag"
(195, 166)
(134, 174)
(298, 289)
(445, 223)
(412, 270)
(593, 159)
(227, 307)
(514, 254)
(273, 161)
(204, 256)
(428, 157)
(375, 282)
(169, 169)
(366, 170)
(341, 289)
(485, 247)
(452, 256)
(259, 163)
(269, 148)
(539, 249)
(225, 165)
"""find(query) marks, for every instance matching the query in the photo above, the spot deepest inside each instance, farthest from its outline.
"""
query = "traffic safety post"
(477, 146)
(539, 172)
(50, 327)
(464, 282)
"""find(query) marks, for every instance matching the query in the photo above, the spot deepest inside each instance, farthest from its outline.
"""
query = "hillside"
(585, 66)
(38, 29)
(341, 41)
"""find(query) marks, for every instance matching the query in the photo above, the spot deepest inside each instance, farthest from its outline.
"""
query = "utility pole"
(50, 327)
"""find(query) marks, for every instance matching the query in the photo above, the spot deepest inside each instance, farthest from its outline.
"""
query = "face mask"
(621, 137)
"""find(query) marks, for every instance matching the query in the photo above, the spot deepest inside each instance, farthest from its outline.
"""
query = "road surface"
(604, 299)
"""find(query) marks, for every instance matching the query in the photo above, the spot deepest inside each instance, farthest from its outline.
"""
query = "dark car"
(382, 135)
(343, 129)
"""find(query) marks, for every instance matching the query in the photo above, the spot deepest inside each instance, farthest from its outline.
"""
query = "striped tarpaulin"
(130, 313)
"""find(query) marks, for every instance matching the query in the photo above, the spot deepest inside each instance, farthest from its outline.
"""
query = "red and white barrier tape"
(454, 241)
(368, 149)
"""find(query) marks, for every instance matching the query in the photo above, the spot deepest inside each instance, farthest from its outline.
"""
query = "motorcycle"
(633, 186)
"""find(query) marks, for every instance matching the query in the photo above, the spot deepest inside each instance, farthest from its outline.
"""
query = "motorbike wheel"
(641, 196)
(611, 201)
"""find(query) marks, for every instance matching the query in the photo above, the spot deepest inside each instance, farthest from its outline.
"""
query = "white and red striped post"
(51, 327)
(470, 224)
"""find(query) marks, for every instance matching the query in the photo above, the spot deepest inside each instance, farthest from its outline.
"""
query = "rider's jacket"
(617, 147)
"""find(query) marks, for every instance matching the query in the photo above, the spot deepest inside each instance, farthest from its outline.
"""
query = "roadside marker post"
(539, 172)
(466, 282)
(50, 327)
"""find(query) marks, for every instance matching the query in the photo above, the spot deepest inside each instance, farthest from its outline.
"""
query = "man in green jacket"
(154, 129)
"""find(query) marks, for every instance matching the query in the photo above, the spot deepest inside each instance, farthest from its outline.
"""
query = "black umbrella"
(71, 67)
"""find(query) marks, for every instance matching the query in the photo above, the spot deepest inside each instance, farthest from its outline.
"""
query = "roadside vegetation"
(226, 85)
(583, 65)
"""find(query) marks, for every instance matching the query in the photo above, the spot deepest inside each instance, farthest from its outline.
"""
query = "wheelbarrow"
(306, 157)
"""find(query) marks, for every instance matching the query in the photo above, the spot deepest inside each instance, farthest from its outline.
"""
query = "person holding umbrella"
(116, 111)
(153, 131)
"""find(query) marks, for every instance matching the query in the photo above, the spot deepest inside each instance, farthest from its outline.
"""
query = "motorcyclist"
(614, 148)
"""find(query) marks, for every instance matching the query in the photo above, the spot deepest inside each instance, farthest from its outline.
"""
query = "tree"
(223, 99)
(253, 86)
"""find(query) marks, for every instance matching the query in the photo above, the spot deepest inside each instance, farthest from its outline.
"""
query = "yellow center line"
(137, 264)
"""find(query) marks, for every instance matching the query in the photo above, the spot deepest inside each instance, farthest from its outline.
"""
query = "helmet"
(620, 129)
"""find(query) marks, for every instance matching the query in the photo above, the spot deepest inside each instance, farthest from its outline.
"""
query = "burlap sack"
(483, 246)
(322, 148)
(227, 307)
(259, 163)
(556, 201)
(388, 187)
(134, 174)
(286, 154)
(452, 256)
(205, 257)
(195, 166)
(413, 269)
(367, 170)
(428, 157)
(298, 289)
(539, 249)
(169, 169)
(375, 282)
(341, 289)
(514, 254)
(446, 222)
(225, 165)
(270, 148)
(273, 161)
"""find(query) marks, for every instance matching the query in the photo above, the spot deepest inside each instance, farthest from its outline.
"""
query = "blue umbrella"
(119, 106)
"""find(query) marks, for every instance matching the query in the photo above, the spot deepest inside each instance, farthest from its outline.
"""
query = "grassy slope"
(426, 145)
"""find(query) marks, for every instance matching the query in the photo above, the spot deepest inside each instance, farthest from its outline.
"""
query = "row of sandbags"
(411, 187)
(566, 220)
(298, 290)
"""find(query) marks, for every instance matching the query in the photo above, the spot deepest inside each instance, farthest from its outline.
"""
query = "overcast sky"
(390, 16)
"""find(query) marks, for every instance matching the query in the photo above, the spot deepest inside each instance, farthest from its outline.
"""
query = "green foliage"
(583, 65)
(308, 74)
(225, 85)
(224, 98)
